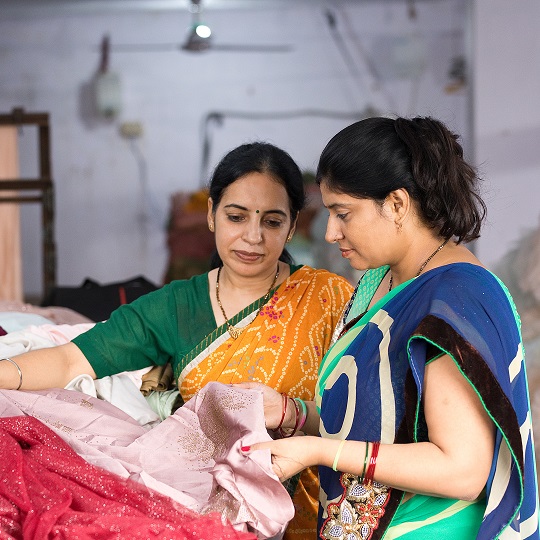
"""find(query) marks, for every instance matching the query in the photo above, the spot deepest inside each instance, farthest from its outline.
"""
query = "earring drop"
(289, 238)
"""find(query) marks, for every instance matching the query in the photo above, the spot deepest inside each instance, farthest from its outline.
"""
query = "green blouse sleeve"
(136, 335)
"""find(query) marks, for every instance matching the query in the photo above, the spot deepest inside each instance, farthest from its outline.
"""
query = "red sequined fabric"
(48, 492)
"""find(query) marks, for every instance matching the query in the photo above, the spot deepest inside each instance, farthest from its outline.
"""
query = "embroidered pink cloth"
(48, 491)
(193, 456)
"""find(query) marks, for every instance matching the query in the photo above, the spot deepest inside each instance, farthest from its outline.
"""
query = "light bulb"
(203, 31)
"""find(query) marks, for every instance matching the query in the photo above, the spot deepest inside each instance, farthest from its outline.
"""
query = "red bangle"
(296, 422)
(372, 462)
(284, 411)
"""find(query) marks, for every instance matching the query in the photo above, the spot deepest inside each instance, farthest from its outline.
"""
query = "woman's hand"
(289, 456)
(272, 402)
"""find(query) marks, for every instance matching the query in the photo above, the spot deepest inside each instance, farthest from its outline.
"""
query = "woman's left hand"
(272, 402)
(290, 455)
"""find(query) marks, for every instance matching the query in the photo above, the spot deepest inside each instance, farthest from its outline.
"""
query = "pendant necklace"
(422, 266)
(235, 332)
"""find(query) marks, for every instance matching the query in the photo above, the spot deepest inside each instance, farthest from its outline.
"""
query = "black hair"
(259, 157)
(375, 156)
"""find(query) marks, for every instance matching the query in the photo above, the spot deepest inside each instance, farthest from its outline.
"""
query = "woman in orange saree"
(281, 346)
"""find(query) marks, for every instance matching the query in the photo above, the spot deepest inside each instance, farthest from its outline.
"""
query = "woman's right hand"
(290, 455)
(273, 405)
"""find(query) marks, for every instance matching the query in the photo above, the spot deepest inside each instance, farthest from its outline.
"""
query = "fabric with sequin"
(48, 491)
(193, 456)
(357, 514)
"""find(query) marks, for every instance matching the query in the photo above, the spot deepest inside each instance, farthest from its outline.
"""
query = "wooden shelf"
(36, 190)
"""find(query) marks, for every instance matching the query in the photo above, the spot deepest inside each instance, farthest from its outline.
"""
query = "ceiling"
(113, 5)
(143, 4)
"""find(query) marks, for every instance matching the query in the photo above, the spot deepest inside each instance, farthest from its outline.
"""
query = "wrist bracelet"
(284, 409)
(296, 421)
(372, 462)
(338, 453)
(365, 463)
(18, 369)
(303, 416)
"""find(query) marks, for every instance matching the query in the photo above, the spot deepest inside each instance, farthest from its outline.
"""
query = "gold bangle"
(365, 463)
(338, 453)
(18, 369)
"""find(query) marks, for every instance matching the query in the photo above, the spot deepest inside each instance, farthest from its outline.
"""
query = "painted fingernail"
(245, 448)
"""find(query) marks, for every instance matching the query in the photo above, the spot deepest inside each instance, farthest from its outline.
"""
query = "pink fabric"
(59, 334)
(48, 491)
(56, 314)
(193, 456)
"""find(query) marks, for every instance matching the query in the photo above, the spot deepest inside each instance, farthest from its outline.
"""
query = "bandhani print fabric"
(281, 346)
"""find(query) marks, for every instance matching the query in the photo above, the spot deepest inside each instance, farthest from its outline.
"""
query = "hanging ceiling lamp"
(200, 33)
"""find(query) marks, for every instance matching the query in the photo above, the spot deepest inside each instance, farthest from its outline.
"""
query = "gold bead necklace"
(235, 332)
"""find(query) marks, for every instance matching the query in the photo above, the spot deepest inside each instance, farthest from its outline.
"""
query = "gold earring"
(399, 225)
(289, 238)
(211, 227)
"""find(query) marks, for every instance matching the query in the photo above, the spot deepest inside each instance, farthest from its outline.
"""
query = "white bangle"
(18, 369)
(338, 453)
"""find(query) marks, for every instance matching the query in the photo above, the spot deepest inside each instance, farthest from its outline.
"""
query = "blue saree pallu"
(372, 380)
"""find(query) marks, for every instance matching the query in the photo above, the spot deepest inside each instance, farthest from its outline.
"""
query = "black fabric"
(97, 301)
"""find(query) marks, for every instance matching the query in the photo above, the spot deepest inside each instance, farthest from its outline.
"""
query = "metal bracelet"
(18, 369)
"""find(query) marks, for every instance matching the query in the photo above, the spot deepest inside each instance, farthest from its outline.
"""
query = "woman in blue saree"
(422, 406)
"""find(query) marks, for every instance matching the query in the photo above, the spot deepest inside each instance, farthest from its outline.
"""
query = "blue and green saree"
(461, 310)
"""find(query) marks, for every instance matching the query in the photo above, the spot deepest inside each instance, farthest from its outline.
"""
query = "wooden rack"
(36, 190)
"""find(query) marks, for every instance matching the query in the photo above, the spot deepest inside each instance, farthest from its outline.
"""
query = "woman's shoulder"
(180, 292)
(463, 280)
(197, 281)
(474, 273)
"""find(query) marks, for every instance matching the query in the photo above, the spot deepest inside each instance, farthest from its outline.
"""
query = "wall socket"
(131, 130)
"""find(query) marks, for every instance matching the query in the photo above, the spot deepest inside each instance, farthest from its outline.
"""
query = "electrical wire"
(344, 51)
(217, 118)
(149, 208)
(368, 62)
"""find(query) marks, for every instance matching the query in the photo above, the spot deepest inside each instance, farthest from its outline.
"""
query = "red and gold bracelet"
(372, 462)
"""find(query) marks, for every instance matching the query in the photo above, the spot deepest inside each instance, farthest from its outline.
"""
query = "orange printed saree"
(281, 346)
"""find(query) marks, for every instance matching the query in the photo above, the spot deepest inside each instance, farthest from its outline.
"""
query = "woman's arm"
(52, 367)
(455, 463)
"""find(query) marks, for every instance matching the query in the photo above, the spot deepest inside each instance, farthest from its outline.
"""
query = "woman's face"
(252, 222)
(364, 231)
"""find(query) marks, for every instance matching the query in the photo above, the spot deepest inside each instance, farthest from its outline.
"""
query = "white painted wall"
(507, 119)
(107, 228)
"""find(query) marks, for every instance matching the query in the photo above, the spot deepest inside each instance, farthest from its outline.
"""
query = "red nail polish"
(245, 448)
